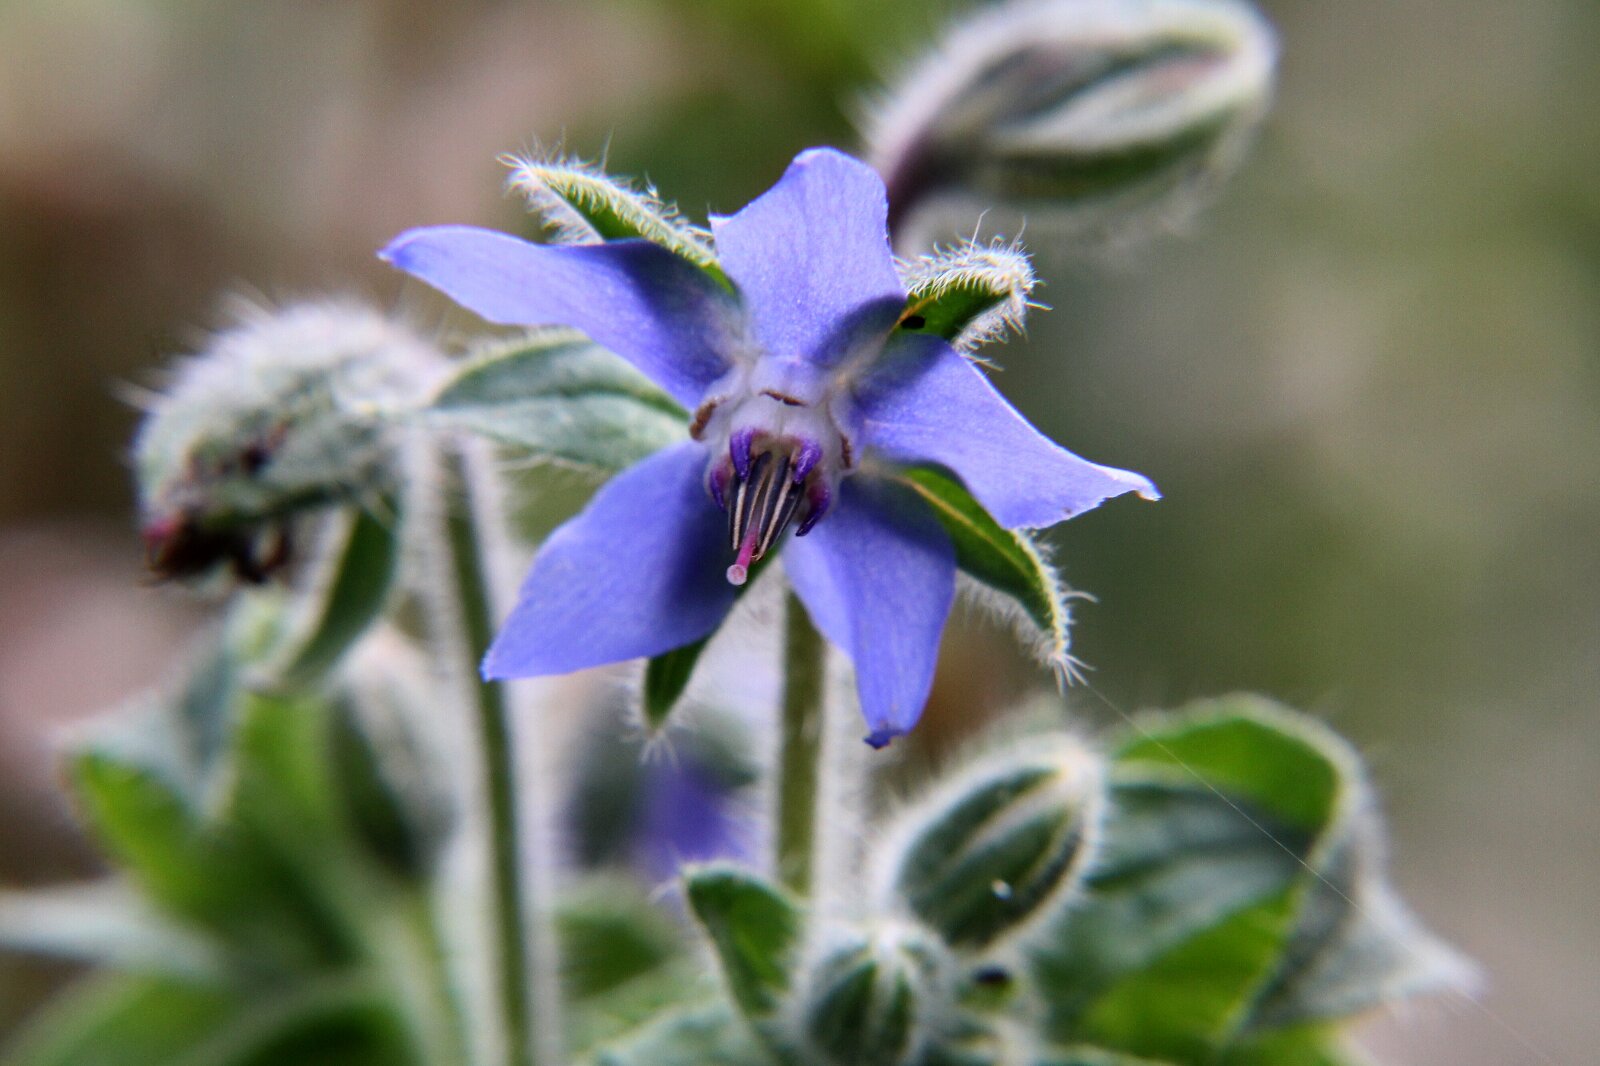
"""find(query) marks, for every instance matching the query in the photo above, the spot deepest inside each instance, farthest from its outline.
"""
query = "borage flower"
(809, 388)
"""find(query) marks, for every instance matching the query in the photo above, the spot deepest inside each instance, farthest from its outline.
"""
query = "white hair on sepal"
(998, 269)
(1050, 647)
(565, 191)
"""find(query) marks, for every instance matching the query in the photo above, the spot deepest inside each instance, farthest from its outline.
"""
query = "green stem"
(800, 751)
(469, 576)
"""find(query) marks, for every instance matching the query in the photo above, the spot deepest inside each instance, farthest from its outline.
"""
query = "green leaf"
(754, 928)
(1004, 560)
(583, 204)
(1236, 892)
(151, 830)
(392, 791)
(360, 569)
(970, 294)
(1191, 905)
(555, 397)
(700, 1036)
(129, 1021)
(106, 924)
(611, 934)
(1186, 1001)
(1303, 1046)
(334, 1021)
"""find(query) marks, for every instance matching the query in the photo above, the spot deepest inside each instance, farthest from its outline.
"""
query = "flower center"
(764, 502)
(777, 456)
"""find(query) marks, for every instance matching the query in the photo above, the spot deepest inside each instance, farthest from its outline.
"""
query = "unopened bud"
(1092, 114)
(875, 999)
(286, 411)
(1002, 843)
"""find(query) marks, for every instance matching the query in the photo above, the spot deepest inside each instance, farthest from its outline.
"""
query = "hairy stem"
(800, 750)
(469, 577)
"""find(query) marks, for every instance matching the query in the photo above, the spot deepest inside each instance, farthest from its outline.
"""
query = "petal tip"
(879, 739)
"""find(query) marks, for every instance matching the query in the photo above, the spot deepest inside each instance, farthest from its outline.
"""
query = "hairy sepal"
(582, 204)
(970, 294)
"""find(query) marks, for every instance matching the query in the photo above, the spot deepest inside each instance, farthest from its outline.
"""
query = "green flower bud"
(875, 999)
(286, 411)
(1004, 842)
(1091, 114)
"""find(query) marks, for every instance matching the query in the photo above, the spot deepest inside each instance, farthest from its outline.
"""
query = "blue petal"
(657, 311)
(812, 260)
(878, 575)
(640, 571)
(925, 402)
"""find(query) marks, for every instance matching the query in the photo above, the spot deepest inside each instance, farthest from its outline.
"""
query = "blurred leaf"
(611, 934)
(152, 832)
(754, 928)
(555, 397)
(1004, 560)
(1355, 944)
(969, 295)
(703, 1036)
(125, 1021)
(1309, 1046)
(360, 571)
(584, 204)
(104, 923)
(1191, 903)
(1216, 905)
(390, 790)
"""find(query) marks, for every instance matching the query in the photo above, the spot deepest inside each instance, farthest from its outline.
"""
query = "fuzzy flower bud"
(873, 999)
(1095, 114)
(1002, 843)
(286, 411)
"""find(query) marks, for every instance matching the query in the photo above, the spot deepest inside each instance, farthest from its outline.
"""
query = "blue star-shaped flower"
(805, 394)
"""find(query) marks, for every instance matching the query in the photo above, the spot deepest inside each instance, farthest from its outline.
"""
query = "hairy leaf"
(360, 568)
(754, 928)
(555, 397)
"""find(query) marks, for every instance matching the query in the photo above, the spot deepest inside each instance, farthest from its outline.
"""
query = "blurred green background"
(1368, 380)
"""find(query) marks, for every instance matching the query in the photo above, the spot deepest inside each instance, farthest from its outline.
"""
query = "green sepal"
(1000, 845)
(583, 204)
(361, 562)
(876, 998)
(555, 397)
(754, 928)
(1005, 560)
(969, 294)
